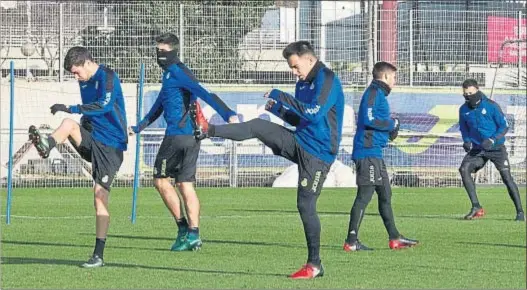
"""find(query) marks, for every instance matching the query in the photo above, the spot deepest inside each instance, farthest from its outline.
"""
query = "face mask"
(166, 58)
(473, 100)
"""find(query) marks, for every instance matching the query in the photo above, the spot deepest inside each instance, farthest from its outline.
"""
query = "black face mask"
(166, 58)
(473, 100)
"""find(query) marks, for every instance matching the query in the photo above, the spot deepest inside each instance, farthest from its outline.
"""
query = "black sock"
(182, 224)
(384, 193)
(364, 195)
(512, 188)
(99, 247)
(307, 208)
(466, 170)
(211, 130)
(51, 141)
(313, 255)
(193, 232)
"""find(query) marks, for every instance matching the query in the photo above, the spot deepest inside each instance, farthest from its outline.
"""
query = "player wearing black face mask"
(166, 58)
(178, 154)
(483, 127)
(473, 99)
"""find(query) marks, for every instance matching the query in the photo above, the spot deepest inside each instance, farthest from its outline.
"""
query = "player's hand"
(234, 119)
(467, 146)
(487, 144)
(266, 95)
(59, 107)
(395, 132)
(269, 105)
(131, 130)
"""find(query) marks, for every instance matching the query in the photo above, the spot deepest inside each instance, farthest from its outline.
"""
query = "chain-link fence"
(434, 43)
(251, 164)
(427, 152)
(237, 47)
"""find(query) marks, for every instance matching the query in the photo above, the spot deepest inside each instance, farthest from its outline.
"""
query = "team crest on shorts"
(304, 182)
(105, 179)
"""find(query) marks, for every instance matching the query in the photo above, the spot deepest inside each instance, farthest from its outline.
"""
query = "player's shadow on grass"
(493, 245)
(250, 243)
(28, 243)
(348, 213)
(229, 242)
(26, 261)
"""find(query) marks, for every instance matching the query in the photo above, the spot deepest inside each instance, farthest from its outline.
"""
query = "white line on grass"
(222, 216)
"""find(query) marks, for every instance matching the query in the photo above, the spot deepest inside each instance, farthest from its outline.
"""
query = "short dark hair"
(168, 38)
(382, 67)
(470, 83)
(76, 56)
(299, 48)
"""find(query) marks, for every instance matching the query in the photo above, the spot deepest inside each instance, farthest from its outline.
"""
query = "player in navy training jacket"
(177, 157)
(101, 137)
(316, 111)
(375, 128)
(483, 127)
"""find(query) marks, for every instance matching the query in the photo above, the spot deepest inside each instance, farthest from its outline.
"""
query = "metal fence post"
(370, 40)
(375, 32)
(61, 42)
(297, 22)
(519, 49)
(181, 33)
(411, 44)
(233, 168)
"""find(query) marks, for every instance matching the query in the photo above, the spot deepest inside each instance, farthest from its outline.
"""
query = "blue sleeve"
(105, 98)
(283, 113)
(189, 82)
(463, 127)
(372, 119)
(151, 116)
(501, 122)
(322, 102)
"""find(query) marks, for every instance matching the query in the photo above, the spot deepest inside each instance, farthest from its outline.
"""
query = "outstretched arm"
(189, 82)
(318, 108)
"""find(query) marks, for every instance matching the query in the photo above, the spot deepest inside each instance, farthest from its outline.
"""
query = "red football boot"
(308, 271)
(475, 213)
(402, 243)
(200, 123)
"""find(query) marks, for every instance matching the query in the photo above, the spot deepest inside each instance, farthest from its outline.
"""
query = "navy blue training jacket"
(103, 107)
(179, 88)
(373, 122)
(483, 122)
(316, 110)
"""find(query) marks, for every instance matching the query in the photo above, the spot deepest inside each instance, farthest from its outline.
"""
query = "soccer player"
(374, 128)
(178, 154)
(100, 138)
(483, 127)
(316, 111)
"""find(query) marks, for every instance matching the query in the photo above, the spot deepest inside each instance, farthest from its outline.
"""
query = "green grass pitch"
(253, 238)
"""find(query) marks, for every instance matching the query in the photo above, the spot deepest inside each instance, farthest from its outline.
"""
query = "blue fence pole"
(11, 131)
(137, 141)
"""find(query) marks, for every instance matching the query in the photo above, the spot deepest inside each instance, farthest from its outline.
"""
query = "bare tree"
(5, 46)
(47, 48)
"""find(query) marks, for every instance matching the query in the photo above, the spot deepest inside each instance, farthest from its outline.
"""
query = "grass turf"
(253, 238)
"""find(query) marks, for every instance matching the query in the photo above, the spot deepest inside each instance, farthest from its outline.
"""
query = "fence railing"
(224, 163)
(242, 44)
